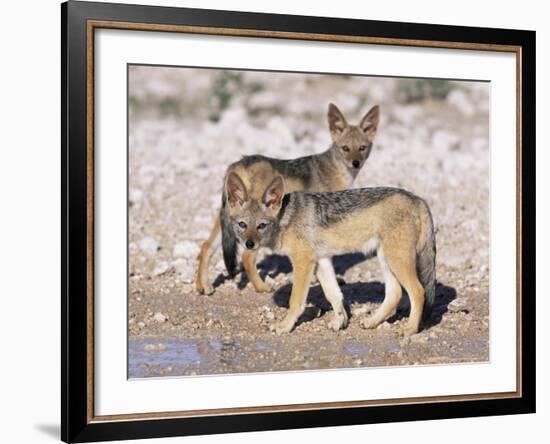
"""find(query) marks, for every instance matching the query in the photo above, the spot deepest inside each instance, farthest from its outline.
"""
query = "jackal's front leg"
(303, 272)
(249, 264)
(327, 279)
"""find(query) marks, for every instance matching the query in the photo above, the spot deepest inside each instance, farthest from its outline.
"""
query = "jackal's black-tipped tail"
(229, 242)
(425, 263)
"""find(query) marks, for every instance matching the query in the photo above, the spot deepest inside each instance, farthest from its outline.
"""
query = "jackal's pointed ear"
(236, 190)
(369, 123)
(336, 121)
(274, 193)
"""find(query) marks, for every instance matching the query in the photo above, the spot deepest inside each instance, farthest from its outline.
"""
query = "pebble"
(159, 317)
(186, 249)
(419, 338)
(462, 101)
(161, 268)
(155, 347)
(186, 289)
(135, 195)
(405, 341)
(184, 269)
(457, 305)
(148, 245)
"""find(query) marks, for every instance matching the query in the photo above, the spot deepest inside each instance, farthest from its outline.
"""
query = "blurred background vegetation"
(208, 93)
(417, 90)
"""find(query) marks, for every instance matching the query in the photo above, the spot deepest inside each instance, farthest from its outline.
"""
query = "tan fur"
(333, 174)
(327, 279)
(249, 264)
(395, 227)
(303, 260)
(205, 254)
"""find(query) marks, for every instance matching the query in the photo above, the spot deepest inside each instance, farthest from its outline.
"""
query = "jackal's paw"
(409, 330)
(264, 287)
(205, 288)
(369, 322)
(281, 327)
(338, 321)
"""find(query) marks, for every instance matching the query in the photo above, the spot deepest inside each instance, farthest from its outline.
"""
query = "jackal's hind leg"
(392, 296)
(403, 266)
(207, 250)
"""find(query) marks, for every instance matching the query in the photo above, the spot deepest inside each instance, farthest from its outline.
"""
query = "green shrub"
(417, 90)
(224, 87)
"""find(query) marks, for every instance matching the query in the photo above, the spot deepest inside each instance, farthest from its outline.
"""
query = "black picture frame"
(77, 425)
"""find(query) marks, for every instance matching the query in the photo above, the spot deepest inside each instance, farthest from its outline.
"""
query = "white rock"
(264, 99)
(155, 347)
(203, 234)
(161, 268)
(406, 114)
(135, 195)
(479, 143)
(186, 249)
(457, 305)
(148, 245)
(462, 102)
(184, 269)
(452, 260)
(159, 317)
(446, 140)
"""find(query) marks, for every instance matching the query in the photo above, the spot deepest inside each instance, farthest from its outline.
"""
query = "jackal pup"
(312, 227)
(332, 170)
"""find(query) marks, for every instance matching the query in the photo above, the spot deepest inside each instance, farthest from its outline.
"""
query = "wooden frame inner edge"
(90, 28)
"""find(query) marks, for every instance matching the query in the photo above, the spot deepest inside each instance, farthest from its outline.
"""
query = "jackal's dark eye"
(362, 147)
(345, 148)
(242, 224)
(262, 226)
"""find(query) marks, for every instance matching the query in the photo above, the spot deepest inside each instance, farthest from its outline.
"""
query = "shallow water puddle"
(152, 357)
(157, 357)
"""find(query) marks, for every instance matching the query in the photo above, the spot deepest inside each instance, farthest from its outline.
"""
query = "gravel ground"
(187, 125)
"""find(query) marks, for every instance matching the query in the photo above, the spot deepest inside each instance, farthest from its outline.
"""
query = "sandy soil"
(184, 131)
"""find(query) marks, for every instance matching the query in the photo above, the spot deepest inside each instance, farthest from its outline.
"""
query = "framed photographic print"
(276, 221)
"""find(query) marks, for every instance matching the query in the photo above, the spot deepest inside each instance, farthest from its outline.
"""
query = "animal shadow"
(362, 293)
(271, 265)
(318, 305)
(344, 262)
(276, 264)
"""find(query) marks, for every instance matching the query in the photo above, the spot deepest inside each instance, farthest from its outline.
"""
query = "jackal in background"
(312, 227)
(332, 170)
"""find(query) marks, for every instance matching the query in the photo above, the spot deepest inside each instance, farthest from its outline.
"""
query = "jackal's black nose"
(356, 163)
(249, 244)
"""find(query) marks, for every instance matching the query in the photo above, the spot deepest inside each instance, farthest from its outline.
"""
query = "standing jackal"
(332, 170)
(312, 227)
